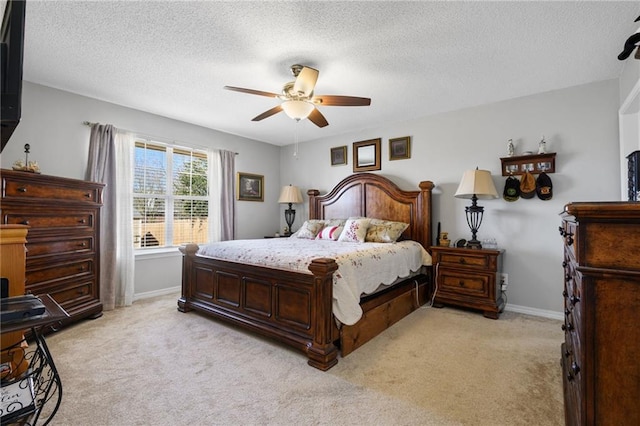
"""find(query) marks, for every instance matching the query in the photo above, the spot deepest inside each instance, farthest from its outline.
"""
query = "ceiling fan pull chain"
(295, 150)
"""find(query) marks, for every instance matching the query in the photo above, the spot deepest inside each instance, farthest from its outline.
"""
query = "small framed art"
(250, 187)
(400, 148)
(339, 155)
(366, 155)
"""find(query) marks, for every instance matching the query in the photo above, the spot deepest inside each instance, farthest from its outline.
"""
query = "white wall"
(52, 124)
(580, 124)
(629, 117)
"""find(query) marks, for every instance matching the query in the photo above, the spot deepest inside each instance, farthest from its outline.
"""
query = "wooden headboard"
(375, 196)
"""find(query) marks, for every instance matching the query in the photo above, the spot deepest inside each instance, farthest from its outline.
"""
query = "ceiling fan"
(299, 101)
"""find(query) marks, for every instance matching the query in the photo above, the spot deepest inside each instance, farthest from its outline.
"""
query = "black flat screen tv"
(11, 52)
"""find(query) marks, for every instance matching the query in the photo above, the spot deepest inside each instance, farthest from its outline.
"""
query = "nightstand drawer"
(466, 260)
(461, 283)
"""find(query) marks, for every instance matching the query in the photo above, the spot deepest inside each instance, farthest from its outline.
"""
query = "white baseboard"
(155, 293)
(534, 311)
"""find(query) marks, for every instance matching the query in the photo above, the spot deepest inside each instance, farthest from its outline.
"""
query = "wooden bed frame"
(296, 308)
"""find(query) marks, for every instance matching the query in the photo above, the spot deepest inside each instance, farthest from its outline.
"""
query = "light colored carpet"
(149, 364)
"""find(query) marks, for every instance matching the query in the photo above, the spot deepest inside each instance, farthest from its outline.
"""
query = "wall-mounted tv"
(11, 53)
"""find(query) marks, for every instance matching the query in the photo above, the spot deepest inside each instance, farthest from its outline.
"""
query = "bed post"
(188, 252)
(426, 186)
(313, 213)
(322, 352)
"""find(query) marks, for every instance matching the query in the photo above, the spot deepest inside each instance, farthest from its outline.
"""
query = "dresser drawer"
(51, 221)
(54, 247)
(452, 281)
(71, 294)
(53, 272)
(24, 187)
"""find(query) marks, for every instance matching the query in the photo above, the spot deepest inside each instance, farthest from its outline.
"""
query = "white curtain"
(110, 160)
(221, 201)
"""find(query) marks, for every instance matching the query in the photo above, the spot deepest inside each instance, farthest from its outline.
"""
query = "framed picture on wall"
(366, 155)
(339, 156)
(250, 187)
(400, 148)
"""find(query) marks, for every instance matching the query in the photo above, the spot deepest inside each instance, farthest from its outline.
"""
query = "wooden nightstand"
(469, 278)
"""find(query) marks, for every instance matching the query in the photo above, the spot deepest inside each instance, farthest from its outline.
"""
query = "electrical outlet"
(504, 281)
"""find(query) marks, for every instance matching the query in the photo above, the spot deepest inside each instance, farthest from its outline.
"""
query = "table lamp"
(476, 184)
(290, 195)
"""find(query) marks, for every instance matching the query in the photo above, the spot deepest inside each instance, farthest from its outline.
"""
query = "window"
(170, 195)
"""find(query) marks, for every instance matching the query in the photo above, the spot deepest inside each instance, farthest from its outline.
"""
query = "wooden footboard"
(291, 307)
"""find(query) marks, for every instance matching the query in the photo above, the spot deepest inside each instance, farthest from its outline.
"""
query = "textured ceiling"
(411, 58)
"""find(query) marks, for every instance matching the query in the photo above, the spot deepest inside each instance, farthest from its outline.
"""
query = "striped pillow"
(329, 233)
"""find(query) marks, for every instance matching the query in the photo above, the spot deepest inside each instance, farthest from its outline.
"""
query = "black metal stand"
(31, 386)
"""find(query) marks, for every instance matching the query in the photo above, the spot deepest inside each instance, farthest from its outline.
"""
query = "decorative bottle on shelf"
(542, 146)
(510, 148)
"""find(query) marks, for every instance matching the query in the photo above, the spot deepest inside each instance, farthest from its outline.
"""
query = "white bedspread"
(362, 267)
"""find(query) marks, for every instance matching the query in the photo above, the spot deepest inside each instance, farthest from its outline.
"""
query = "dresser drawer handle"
(87, 195)
(24, 222)
(461, 283)
(22, 189)
(82, 221)
(80, 291)
(463, 260)
(82, 268)
(575, 368)
(567, 327)
(82, 244)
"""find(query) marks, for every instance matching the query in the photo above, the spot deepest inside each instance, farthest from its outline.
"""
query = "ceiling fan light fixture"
(298, 110)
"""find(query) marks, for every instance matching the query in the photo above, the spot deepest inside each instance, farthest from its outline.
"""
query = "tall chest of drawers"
(63, 241)
(601, 349)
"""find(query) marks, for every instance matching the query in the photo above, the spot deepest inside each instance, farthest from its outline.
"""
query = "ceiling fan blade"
(333, 100)
(252, 92)
(317, 118)
(269, 113)
(306, 81)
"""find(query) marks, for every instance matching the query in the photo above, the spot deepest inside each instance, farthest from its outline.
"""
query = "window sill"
(157, 253)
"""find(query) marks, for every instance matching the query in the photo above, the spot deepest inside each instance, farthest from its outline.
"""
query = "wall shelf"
(534, 164)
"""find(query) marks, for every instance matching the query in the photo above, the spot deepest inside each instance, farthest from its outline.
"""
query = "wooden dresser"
(469, 278)
(601, 351)
(63, 243)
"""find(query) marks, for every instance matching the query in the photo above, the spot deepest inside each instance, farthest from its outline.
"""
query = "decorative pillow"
(330, 233)
(309, 229)
(355, 230)
(385, 231)
(335, 222)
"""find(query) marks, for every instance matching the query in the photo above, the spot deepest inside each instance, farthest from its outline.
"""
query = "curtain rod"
(160, 139)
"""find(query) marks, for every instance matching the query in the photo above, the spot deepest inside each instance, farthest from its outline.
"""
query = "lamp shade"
(297, 110)
(477, 182)
(290, 194)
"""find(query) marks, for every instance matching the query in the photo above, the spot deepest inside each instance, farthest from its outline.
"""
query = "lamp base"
(474, 244)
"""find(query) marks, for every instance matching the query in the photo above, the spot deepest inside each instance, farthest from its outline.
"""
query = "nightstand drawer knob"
(22, 189)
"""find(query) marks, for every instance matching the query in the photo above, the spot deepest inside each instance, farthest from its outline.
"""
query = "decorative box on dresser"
(63, 241)
(601, 349)
(468, 278)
